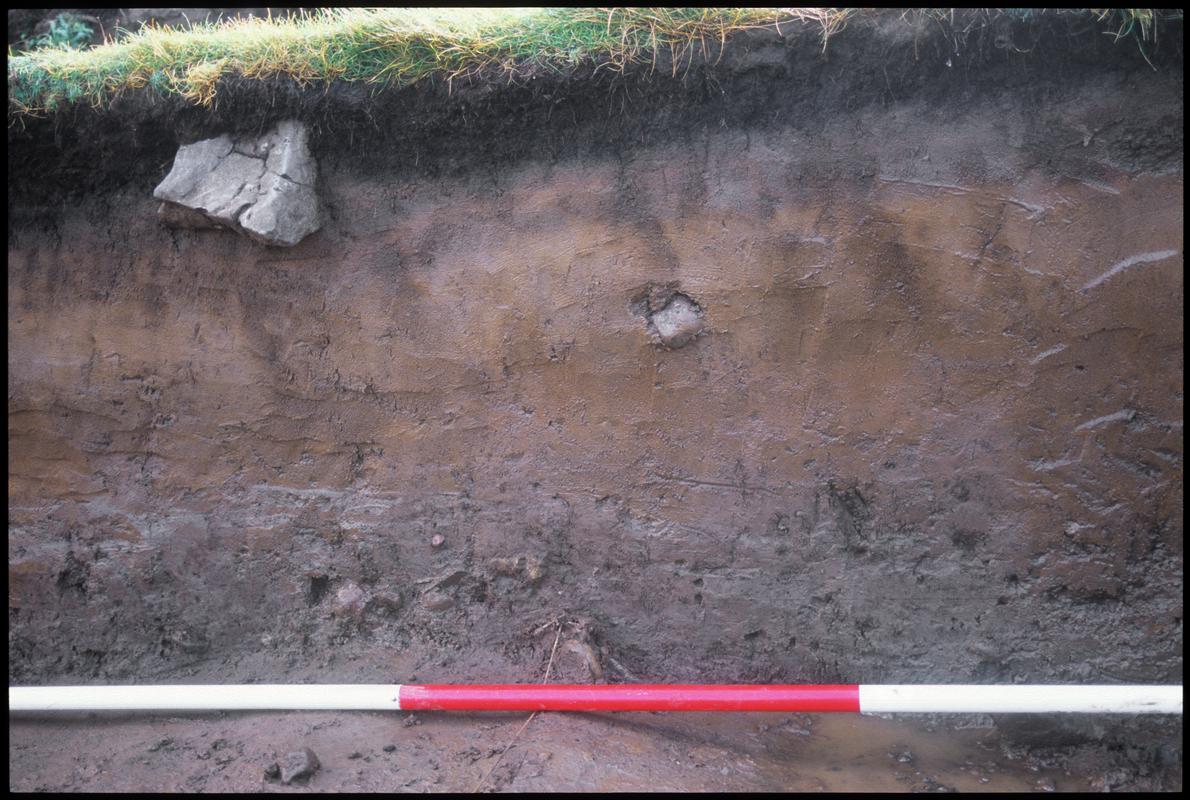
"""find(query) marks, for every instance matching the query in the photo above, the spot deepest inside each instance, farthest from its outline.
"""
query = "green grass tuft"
(389, 46)
(399, 46)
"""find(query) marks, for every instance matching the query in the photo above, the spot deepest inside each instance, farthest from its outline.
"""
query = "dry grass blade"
(520, 730)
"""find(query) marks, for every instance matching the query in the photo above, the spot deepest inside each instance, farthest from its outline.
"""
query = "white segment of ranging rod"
(1019, 699)
(244, 697)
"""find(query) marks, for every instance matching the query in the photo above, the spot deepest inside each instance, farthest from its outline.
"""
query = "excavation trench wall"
(931, 430)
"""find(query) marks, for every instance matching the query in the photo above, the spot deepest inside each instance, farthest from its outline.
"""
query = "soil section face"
(926, 426)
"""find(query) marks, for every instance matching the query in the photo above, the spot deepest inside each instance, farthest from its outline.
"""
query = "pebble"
(437, 601)
(349, 601)
(299, 765)
(928, 784)
(388, 748)
(437, 541)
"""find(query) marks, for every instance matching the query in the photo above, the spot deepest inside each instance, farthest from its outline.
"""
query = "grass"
(399, 46)
(1139, 23)
(386, 47)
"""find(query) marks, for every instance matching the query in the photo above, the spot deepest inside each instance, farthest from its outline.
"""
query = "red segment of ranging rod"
(624, 697)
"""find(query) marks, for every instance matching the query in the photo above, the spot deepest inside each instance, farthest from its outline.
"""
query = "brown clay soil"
(931, 431)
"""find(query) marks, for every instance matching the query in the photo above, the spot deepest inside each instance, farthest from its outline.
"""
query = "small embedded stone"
(504, 566)
(677, 323)
(437, 601)
(527, 567)
(299, 765)
(388, 603)
(349, 601)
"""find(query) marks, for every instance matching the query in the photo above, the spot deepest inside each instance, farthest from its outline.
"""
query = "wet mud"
(564, 752)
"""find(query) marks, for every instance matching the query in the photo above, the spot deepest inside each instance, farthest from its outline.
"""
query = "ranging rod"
(856, 698)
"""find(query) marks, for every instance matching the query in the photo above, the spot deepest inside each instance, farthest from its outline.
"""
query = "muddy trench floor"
(436, 752)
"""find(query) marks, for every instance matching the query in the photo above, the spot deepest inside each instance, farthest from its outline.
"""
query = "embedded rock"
(677, 323)
(350, 601)
(299, 765)
(262, 187)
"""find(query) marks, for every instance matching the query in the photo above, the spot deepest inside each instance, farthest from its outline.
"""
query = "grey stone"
(284, 212)
(191, 165)
(228, 189)
(299, 765)
(678, 322)
(289, 153)
(262, 186)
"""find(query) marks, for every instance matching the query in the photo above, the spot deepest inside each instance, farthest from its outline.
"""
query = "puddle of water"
(844, 753)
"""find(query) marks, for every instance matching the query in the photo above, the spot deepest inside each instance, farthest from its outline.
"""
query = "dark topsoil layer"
(758, 80)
